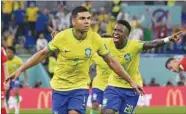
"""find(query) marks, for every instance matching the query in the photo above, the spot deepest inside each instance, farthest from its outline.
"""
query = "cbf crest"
(87, 52)
(127, 57)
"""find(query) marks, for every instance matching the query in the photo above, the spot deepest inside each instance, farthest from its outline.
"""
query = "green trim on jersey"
(50, 50)
(125, 44)
(106, 54)
(74, 34)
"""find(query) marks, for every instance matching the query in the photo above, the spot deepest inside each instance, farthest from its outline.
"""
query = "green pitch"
(144, 110)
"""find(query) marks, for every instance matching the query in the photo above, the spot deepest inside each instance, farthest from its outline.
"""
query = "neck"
(120, 45)
(80, 35)
(11, 58)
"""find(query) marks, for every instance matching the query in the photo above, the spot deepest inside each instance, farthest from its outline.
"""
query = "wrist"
(167, 39)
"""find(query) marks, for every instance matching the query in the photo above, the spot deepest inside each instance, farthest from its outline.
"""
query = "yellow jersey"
(7, 6)
(32, 14)
(74, 59)
(14, 64)
(129, 58)
(102, 73)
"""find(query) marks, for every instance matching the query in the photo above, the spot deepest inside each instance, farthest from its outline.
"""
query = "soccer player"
(176, 65)
(14, 62)
(119, 96)
(76, 46)
(99, 83)
(4, 74)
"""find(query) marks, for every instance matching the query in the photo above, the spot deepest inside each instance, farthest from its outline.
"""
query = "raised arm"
(34, 60)
(160, 42)
(118, 69)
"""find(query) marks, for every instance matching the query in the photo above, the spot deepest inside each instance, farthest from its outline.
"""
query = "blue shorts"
(63, 101)
(122, 100)
(97, 95)
(14, 84)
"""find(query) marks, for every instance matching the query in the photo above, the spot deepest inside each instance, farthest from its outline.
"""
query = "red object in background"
(183, 64)
(3, 60)
(155, 96)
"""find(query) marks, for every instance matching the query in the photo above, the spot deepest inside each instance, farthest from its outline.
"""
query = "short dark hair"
(126, 24)
(77, 10)
(12, 49)
(168, 61)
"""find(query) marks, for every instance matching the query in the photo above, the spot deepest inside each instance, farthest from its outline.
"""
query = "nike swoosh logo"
(67, 51)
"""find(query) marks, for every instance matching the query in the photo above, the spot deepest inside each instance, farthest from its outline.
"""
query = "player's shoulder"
(17, 58)
(93, 34)
(134, 41)
(64, 33)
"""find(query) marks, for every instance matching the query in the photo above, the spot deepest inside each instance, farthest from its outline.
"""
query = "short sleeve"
(103, 49)
(53, 45)
(139, 45)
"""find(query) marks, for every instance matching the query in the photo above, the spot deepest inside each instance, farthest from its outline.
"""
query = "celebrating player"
(76, 46)
(119, 96)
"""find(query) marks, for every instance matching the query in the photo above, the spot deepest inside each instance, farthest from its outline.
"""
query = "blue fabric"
(63, 101)
(97, 95)
(41, 22)
(122, 100)
(19, 16)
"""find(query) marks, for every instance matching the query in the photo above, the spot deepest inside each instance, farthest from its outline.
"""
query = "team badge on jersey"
(127, 57)
(87, 52)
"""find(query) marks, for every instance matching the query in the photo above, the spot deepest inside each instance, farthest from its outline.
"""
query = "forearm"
(34, 60)
(118, 69)
(155, 43)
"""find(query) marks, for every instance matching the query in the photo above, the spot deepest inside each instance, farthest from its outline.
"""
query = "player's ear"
(73, 20)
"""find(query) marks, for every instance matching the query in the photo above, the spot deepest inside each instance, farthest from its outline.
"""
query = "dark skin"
(120, 37)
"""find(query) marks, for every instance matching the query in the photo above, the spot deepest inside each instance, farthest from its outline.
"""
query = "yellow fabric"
(31, 13)
(110, 26)
(10, 40)
(17, 3)
(103, 71)
(52, 64)
(74, 59)
(14, 64)
(7, 6)
(95, 28)
(129, 58)
(103, 17)
(89, 6)
(116, 2)
(171, 2)
(116, 9)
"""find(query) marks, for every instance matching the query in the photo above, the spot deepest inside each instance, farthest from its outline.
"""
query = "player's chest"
(123, 56)
(79, 50)
(13, 64)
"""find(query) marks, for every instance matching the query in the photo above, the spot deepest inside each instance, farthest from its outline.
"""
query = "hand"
(176, 37)
(52, 31)
(13, 76)
(139, 89)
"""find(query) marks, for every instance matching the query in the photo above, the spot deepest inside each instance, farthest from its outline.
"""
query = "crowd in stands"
(25, 26)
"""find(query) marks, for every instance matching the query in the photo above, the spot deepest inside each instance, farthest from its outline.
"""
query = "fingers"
(178, 33)
(140, 90)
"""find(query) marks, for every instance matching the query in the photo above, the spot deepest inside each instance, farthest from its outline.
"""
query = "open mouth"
(116, 38)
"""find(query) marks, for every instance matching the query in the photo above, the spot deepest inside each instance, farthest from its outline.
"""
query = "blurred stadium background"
(24, 26)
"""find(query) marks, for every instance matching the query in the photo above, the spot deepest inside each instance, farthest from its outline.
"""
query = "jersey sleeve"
(53, 45)
(3, 56)
(103, 49)
(139, 45)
